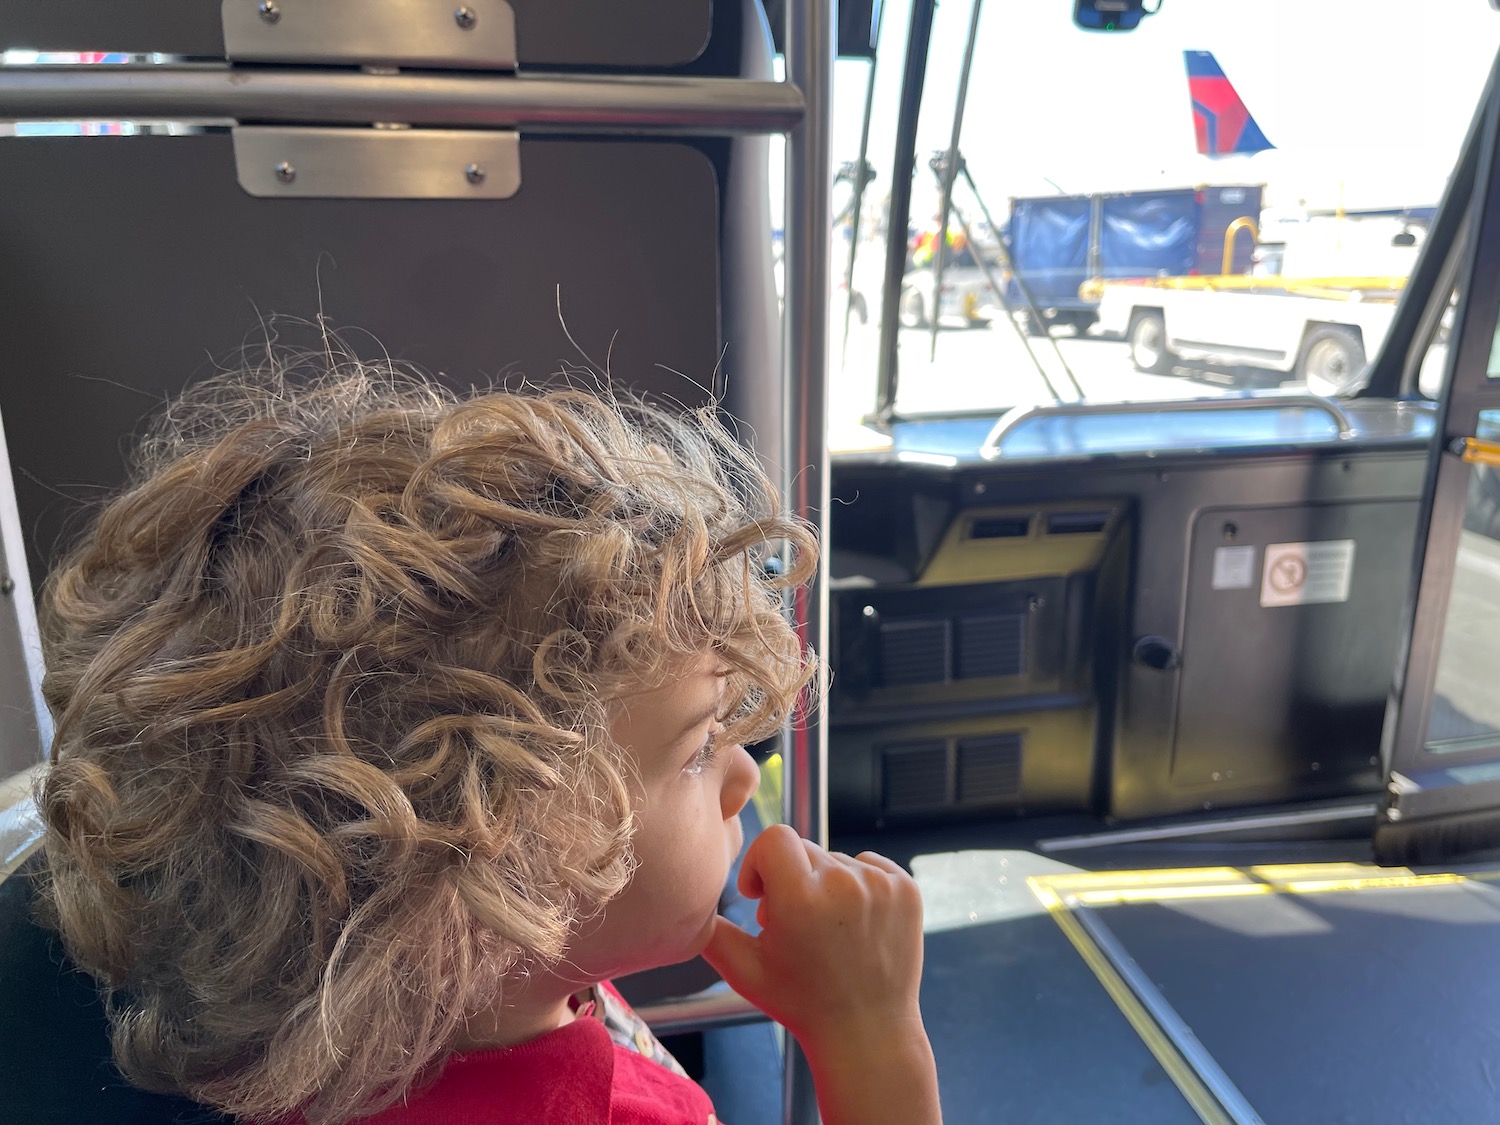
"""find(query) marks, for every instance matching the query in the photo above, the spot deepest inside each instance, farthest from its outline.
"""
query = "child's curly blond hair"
(333, 684)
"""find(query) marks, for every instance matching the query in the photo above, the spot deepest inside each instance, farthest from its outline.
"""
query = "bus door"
(1442, 742)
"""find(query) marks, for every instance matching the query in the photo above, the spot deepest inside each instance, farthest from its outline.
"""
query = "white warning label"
(1305, 573)
(1234, 568)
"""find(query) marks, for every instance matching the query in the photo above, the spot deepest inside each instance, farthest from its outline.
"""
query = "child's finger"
(735, 956)
(875, 859)
(777, 851)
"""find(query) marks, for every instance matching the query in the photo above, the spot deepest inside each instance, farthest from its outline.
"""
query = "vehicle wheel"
(1332, 361)
(1082, 322)
(913, 310)
(1035, 325)
(1148, 344)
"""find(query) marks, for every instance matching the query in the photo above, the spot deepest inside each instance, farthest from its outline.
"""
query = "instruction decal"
(1234, 568)
(1307, 573)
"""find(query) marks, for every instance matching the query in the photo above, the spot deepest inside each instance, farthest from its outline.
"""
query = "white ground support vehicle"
(1320, 331)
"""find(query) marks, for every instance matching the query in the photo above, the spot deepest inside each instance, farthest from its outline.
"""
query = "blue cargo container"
(1058, 242)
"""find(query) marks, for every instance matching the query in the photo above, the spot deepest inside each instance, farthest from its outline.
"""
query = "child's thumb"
(735, 956)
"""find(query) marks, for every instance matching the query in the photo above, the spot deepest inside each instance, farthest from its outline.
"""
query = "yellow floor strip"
(1183, 1076)
(1057, 893)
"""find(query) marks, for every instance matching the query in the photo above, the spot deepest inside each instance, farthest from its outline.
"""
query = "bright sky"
(1369, 99)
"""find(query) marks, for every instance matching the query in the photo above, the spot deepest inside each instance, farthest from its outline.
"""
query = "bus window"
(1182, 220)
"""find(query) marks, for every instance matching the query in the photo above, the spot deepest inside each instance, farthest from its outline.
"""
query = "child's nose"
(741, 781)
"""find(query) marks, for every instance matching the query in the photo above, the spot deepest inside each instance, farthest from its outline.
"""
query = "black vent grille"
(919, 651)
(1000, 527)
(914, 776)
(991, 645)
(1077, 523)
(989, 770)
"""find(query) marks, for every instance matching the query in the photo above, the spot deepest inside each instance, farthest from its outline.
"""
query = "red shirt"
(576, 1075)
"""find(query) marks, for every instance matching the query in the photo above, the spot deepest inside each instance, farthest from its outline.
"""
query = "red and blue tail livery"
(1223, 124)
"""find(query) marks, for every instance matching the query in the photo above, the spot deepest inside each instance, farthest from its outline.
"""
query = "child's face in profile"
(692, 787)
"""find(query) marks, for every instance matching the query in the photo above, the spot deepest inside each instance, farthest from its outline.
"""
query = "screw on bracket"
(285, 172)
(474, 174)
(269, 11)
(466, 18)
(7, 585)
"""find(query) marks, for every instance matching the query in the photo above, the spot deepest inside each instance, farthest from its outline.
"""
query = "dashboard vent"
(1000, 527)
(989, 770)
(918, 651)
(991, 645)
(1076, 523)
(914, 776)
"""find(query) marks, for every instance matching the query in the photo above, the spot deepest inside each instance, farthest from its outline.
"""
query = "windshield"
(1201, 207)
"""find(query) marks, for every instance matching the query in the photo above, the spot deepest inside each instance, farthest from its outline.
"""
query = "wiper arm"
(946, 167)
(1031, 306)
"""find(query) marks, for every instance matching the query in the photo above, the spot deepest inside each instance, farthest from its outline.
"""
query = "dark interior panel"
(1237, 704)
(666, 33)
(965, 683)
(1275, 690)
(145, 293)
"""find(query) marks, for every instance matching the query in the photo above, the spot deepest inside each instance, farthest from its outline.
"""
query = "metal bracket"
(461, 34)
(377, 163)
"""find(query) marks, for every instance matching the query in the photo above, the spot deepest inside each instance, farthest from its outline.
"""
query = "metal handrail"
(810, 51)
(716, 1006)
(634, 104)
(1013, 418)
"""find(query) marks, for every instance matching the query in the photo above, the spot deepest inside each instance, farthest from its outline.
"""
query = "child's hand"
(837, 963)
(840, 950)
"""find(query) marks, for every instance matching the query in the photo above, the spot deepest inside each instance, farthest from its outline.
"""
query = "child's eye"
(706, 754)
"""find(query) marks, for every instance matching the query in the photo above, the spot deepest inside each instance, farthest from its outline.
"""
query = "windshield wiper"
(947, 166)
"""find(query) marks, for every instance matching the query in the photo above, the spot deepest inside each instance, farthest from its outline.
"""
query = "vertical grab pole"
(859, 191)
(914, 74)
(809, 66)
(25, 722)
(946, 175)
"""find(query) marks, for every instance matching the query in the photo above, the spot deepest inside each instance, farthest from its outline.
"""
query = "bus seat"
(648, 256)
(55, 1067)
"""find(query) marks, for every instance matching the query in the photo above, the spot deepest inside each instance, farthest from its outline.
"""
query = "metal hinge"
(323, 163)
(461, 35)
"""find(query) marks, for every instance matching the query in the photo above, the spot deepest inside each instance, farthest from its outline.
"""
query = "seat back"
(136, 262)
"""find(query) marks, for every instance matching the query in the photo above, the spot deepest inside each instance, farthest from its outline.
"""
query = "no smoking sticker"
(1307, 573)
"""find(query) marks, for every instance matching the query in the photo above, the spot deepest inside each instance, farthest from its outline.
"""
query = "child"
(391, 726)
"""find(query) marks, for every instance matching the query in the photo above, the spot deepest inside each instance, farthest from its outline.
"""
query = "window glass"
(1465, 713)
(1188, 209)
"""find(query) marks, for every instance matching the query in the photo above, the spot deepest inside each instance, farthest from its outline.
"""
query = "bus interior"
(1166, 656)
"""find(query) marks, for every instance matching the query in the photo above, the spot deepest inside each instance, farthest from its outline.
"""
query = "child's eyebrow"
(703, 716)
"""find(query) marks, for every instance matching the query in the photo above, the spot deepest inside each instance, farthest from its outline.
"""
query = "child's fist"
(841, 938)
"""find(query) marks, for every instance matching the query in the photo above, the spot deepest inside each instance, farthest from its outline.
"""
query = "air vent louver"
(914, 776)
(1076, 523)
(991, 645)
(989, 770)
(1000, 527)
(918, 651)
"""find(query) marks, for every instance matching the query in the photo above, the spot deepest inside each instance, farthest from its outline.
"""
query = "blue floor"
(1373, 1006)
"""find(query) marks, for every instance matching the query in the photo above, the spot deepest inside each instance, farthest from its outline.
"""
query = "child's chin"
(701, 940)
(695, 943)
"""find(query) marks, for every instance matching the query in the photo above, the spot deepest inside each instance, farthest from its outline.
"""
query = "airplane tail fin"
(1223, 124)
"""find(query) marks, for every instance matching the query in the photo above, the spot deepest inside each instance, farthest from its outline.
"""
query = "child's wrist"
(857, 1044)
